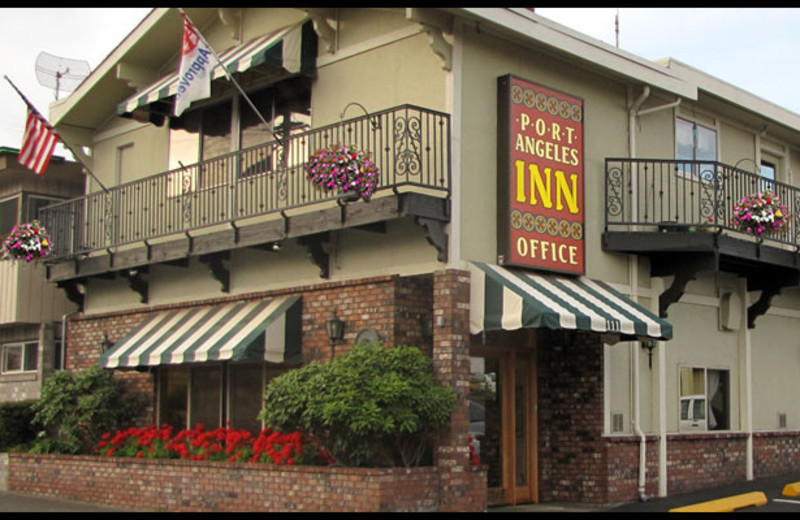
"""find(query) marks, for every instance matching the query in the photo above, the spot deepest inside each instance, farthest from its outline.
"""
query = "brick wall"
(572, 465)
(390, 305)
(776, 453)
(185, 486)
(462, 487)
(394, 307)
(700, 461)
(622, 459)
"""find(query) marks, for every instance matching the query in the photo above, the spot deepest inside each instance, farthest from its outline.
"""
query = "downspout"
(64, 338)
(633, 276)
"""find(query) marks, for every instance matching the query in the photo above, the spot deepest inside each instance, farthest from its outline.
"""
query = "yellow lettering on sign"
(539, 187)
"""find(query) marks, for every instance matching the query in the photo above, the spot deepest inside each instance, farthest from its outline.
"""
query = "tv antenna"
(61, 74)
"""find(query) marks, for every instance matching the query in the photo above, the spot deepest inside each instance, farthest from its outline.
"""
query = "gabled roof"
(163, 25)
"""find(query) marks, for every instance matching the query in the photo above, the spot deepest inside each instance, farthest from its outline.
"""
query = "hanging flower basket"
(28, 241)
(345, 169)
(761, 214)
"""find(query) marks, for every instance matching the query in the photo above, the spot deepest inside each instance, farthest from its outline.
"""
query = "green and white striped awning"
(268, 330)
(291, 49)
(505, 299)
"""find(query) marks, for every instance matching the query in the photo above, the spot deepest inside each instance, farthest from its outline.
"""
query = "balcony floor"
(431, 212)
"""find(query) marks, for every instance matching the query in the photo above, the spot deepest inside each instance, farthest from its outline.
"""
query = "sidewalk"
(21, 503)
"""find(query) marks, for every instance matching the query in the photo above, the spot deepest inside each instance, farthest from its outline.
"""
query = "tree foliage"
(16, 424)
(76, 408)
(373, 406)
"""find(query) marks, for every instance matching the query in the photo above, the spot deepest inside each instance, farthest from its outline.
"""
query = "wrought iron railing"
(668, 194)
(410, 145)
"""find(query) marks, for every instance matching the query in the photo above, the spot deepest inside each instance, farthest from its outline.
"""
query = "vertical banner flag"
(194, 75)
(38, 142)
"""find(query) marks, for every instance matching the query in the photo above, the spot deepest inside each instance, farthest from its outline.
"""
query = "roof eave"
(523, 25)
(60, 109)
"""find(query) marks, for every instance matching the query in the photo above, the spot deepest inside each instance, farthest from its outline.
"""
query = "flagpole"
(230, 78)
(60, 138)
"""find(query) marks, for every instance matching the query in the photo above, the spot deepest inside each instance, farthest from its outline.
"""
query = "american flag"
(38, 142)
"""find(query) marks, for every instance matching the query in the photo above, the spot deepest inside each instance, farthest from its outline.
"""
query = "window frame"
(28, 205)
(692, 172)
(23, 347)
(682, 427)
(226, 405)
(17, 198)
(283, 106)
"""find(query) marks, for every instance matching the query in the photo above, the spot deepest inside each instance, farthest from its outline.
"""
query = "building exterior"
(553, 223)
(31, 309)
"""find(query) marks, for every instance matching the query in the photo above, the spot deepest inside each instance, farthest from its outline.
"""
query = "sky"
(756, 49)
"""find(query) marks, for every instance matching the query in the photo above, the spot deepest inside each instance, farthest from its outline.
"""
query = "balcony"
(680, 214)
(257, 197)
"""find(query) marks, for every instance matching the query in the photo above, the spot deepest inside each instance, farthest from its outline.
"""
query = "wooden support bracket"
(216, 262)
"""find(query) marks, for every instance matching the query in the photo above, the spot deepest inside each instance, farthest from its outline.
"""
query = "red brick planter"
(180, 485)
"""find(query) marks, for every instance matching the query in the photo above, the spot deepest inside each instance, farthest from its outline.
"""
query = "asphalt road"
(772, 488)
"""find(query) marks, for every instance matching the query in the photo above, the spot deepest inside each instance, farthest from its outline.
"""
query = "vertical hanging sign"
(540, 220)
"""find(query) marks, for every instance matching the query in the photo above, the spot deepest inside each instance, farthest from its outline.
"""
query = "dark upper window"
(229, 125)
(9, 215)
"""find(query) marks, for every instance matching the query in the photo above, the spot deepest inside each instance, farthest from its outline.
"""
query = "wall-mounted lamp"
(105, 343)
(335, 328)
(649, 346)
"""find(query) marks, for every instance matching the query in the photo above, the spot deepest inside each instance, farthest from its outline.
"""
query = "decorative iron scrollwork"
(615, 182)
(108, 217)
(407, 146)
(283, 171)
(186, 192)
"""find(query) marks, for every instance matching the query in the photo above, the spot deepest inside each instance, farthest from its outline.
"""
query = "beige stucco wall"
(485, 58)
(381, 61)
(776, 363)
(150, 149)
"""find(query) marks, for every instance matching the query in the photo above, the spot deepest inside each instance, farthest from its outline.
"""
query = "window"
(695, 142)
(20, 357)
(205, 133)
(35, 203)
(213, 394)
(9, 215)
(767, 171)
(704, 399)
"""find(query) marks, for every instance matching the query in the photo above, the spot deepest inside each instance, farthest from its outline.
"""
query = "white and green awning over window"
(291, 50)
(506, 299)
(268, 330)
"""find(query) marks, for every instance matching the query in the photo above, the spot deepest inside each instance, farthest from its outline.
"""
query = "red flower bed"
(221, 444)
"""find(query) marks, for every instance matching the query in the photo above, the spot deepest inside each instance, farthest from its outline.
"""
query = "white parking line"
(785, 500)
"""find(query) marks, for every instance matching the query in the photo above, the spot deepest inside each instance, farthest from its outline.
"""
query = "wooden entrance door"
(503, 423)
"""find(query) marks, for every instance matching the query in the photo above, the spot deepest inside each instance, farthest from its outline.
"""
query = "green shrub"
(373, 406)
(76, 408)
(16, 424)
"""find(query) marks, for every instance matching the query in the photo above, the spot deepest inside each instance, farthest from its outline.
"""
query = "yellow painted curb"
(792, 490)
(725, 505)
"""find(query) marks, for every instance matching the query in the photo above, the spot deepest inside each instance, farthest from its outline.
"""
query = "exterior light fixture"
(335, 328)
(649, 346)
(105, 343)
